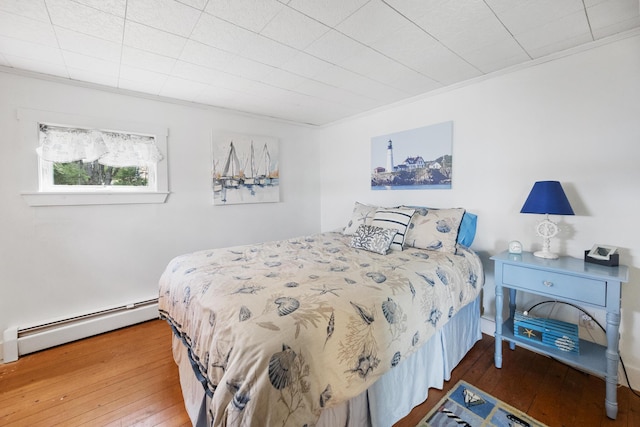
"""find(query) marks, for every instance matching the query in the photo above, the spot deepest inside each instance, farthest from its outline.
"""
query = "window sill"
(76, 199)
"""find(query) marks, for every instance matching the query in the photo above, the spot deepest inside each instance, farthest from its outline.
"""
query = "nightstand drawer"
(580, 289)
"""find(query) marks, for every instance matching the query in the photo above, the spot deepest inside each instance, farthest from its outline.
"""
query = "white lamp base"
(546, 255)
(547, 229)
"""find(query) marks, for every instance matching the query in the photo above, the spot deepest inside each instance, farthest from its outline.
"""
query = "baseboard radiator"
(20, 341)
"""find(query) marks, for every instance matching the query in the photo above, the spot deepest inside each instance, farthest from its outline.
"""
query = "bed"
(328, 329)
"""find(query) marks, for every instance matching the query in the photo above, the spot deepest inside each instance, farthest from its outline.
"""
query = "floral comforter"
(278, 331)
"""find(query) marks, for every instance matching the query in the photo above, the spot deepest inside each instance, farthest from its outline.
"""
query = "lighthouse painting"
(413, 159)
(244, 169)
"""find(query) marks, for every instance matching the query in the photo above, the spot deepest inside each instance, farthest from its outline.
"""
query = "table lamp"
(547, 197)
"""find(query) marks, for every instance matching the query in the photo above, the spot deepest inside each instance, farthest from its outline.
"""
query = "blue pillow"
(467, 231)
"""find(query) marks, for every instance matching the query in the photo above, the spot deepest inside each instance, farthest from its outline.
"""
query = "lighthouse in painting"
(390, 157)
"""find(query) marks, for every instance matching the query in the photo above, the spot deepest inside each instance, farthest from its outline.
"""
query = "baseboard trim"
(47, 336)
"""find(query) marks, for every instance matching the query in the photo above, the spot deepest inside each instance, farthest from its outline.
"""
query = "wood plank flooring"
(128, 377)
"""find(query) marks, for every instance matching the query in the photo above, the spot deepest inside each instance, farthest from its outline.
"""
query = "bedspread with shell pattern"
(278, 331)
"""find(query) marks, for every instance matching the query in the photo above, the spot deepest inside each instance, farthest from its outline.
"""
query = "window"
(76, 159)
(86, 163)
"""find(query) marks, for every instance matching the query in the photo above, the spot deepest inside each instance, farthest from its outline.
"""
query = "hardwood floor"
(128, 377)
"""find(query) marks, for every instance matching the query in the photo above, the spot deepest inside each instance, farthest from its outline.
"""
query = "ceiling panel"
(307, 61)
(27, 29)
(85, 19)
(34, 9)
(250, 14)
(153, 40)
(146, 60)
(165, 15)
(73, 41)
(329, 12)
(294, 29)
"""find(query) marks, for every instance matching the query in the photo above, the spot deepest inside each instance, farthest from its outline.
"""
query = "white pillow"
(395, 219)
(362, 214)
(373, 239)
(435, 229)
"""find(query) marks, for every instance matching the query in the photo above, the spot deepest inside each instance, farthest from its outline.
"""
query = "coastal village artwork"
(245, 169)
(413, 159)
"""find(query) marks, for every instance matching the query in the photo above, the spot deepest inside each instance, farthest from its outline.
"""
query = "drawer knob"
(547, 283)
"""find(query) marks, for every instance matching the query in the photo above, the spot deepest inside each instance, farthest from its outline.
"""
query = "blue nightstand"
(571, 280)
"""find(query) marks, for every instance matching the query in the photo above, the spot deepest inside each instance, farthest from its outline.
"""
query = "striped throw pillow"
(395, 219)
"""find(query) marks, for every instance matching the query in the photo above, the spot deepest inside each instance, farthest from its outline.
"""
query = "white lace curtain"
(63, 145)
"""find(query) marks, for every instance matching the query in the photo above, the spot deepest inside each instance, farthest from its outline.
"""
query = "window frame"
(38, 174)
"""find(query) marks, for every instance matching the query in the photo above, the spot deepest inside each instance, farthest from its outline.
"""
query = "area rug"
(468, 406)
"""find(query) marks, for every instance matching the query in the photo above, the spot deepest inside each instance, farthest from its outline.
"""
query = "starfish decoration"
(325, 290)
(529, 333)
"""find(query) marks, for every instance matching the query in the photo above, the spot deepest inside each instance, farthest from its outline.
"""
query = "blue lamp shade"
(547, 197)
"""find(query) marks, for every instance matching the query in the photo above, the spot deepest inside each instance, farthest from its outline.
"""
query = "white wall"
(575, 119)
(67, 260)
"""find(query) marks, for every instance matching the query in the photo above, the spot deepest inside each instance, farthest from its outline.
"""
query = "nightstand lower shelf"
(591, 358)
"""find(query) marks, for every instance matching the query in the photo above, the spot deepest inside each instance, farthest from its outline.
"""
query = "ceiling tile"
(407, 45)
(559, 34)
(146, 60)
(613, 16)
(444, 66)
(496, 56)
(333, 94)
(166, 15)
(178, 88)
(89, 63)
(135, 74)
(33, 9)
(93, 76)
(221, 34)
(452, 17)
(114, 7)
(87, 20)
(198, 4)
(208, 76)
(476, 35)
(522, 15)
(147, 87)
(32, 51)
(282, 78)
(329, 12)
(250, 14)
(305, 65)
(247, 68)
(373, 21)
(616, 27)
(360, 84)
(26, 29)
(37, 66)
(152, 40)
(413, 9)
(218, 96)
(384, 70)
(266, 51)
(88, 45)
(206, 56)
(294, 29)
(334, 47)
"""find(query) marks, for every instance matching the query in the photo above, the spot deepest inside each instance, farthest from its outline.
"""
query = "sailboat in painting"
(231, 173)
(267, 176)
(250, 178)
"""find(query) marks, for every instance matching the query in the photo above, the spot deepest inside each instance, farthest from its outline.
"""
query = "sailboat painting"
(245, 169)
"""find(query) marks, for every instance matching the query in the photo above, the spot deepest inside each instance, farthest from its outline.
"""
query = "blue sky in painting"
(430, 142)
